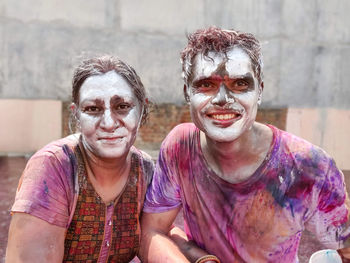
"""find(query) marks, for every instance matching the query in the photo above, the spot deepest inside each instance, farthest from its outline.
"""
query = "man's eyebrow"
(245, 76)
(216, 77)
(208, 78)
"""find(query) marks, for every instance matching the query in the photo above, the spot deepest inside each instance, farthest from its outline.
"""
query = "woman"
(80, 198)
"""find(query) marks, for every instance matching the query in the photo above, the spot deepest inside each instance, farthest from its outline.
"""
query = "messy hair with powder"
(219, 40)
(102, 64)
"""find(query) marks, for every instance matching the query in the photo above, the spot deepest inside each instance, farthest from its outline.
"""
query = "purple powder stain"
(43, 195)
(46, 188)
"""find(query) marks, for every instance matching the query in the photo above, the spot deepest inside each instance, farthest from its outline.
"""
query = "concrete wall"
(30, 124)
(305, 44)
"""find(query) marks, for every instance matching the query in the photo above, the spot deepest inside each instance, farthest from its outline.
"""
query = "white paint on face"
(109, 115)
(224, 94)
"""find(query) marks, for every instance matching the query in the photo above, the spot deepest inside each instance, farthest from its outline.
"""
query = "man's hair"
(215, 39)
(103, 64)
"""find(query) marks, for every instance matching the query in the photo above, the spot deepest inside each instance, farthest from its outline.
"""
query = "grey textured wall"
(306, 44)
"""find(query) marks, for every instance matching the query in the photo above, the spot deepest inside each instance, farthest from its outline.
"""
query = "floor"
(10, 171)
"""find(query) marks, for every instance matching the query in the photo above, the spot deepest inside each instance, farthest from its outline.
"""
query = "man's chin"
(219, 134)
(221, 137)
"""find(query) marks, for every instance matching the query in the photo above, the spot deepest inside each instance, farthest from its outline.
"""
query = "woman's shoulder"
(58, 148)
(57, 158)
(146, 162)
(46, 185)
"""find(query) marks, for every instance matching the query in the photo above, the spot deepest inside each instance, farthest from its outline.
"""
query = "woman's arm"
(34, 240)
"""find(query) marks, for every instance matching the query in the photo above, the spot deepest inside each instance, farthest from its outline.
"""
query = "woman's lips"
(110, 139)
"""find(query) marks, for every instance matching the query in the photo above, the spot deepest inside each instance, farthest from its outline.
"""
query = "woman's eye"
(92, 109)
(123, 107)
(203, 86)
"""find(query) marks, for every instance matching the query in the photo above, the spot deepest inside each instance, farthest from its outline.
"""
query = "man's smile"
(223, 116)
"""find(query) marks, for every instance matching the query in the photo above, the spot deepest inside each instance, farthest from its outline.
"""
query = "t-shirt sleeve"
(163, 194)
(43, 190)
(330, 220)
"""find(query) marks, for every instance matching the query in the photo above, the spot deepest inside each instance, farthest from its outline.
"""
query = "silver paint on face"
(109, 115)
(224, 114)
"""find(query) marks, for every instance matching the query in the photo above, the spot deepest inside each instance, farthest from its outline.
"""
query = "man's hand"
(156, 246)
(344, 254)
(162, 242)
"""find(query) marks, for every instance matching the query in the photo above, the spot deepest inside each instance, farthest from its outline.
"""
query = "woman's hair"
(215, 39)
(103, 64)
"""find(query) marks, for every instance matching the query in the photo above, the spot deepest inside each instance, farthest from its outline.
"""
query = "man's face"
(109, 115)
(224, 94)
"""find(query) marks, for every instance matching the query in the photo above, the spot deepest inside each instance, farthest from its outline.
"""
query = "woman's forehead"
(107, 85)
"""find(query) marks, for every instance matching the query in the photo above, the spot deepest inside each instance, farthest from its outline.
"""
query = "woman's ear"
(74, 109)
(74, 122)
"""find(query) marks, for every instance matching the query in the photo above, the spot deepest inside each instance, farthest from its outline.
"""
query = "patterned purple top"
(49, 189)
(297, 186)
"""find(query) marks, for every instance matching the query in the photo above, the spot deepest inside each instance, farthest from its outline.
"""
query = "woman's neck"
(106, 170)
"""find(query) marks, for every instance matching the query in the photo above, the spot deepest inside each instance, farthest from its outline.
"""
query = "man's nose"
(222, 96)
(108, 121)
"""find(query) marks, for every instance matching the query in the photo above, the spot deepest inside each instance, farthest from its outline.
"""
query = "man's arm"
(34, 240)
(344, 254)
(161, 242)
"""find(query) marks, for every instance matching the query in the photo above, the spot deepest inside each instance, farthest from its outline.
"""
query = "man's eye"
(206, 85)
(240, 85)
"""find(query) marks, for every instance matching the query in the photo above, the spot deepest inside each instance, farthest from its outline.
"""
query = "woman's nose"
(108, 122)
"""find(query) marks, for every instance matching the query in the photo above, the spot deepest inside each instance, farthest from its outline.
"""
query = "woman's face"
(109, 115)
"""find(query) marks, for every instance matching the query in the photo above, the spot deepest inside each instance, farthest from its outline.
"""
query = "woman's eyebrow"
(97, 101)
(118, 99)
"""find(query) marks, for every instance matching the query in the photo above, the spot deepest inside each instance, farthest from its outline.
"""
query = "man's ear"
(186, 94)
(261, 88)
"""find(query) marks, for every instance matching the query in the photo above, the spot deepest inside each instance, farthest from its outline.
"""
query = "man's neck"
(237, 160)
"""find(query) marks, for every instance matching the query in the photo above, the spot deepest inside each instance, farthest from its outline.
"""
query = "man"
(247, 190)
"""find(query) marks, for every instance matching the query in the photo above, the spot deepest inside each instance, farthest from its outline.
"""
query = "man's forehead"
(236, 62)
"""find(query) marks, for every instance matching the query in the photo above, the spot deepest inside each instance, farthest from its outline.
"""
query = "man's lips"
(224, 116)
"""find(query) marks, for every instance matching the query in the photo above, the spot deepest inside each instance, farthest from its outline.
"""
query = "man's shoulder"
(184, 127)
(302, 151)
(143, 156)
(179, 140)
(298, 144)
(181, 132)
